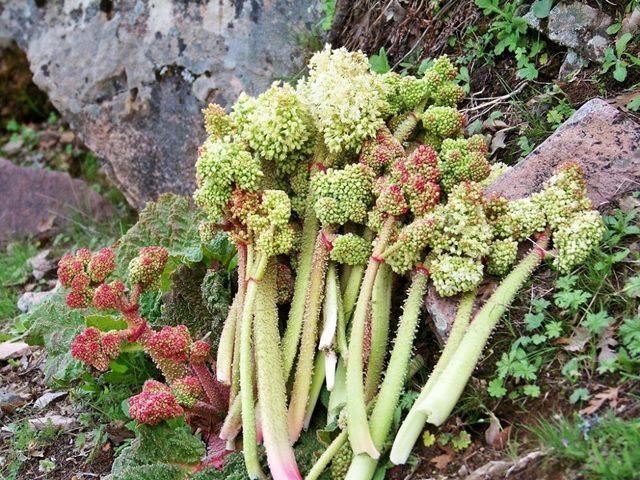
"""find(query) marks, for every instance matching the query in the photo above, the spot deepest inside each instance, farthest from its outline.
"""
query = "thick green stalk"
(409, 123)
(352, 288)
(235, 368)
(380, 313)
(249, 437)
(330, 314)
(272, 396)
(233, 421)
(359, 435)
(363, 466)
(440, 401)
(338, 396)
(306, 355)
(291, 338)
(413, 424)
(316, 387)
(327, 456)
(224, 358)
(416, 364)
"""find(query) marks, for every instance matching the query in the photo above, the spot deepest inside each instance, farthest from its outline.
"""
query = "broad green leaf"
(622, 42)
(620, 72)
(541, 8)
(380, 63)
(104, 322)
(614, 28)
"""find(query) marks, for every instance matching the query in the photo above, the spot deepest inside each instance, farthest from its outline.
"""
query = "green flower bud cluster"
(443, 122)
(518, 219)
(276, 125)
(350, 249)
(439, 79)
(216, 121)
(405, 92)
(221, 166)
(503, 254)
(346, 100)
(341, 461)
(565, 194)
(269, 227)
(453, 274)
(461, 226)
(342, 195)
(497, 170)
(463, 160)
(575, 239)
(407, 251)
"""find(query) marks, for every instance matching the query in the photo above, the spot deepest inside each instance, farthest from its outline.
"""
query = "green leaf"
(634, 105)
(554, 329)
(614, 28)
(380, 63)
(428, 438)
(597, 322)
(620, 72)
(329, 7)
(579, 395)
(531, 391)
(104, 322)
(541, 8)
(171, 222)
(496, 388)
(533, 320)
(621, 43)
(461, 441)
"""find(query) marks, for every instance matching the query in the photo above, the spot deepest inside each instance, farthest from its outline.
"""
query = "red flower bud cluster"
(381, 152)
(154, 404)
(200, 351)
(170, 348)
(109, 296)
(82, 272)
(95, 348)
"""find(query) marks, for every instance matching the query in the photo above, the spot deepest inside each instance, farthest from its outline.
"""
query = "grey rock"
(56, 421)
(576, 26)
(48, 398)
(630, 23)
(571, 66)
(39, 202)
(132, 80)
(29, 300)
(602, 139)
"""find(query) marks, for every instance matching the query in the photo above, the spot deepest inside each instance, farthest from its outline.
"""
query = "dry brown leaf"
(577, 340)
(606, 345)
(610, 396)
(441, 461)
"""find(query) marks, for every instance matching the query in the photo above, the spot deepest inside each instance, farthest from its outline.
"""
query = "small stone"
(29, 300)
(571, 66)
(13, 146)
(10, 350)
(67, 137)
(10, 400)
(40, 264)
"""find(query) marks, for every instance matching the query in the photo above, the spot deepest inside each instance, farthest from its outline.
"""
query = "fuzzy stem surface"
(412, 426)
(272, 396)
(363, 466)
(249, 435)
(359, 434)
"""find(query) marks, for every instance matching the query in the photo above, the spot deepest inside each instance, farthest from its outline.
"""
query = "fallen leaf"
(46, 224)
(578, 339)
(40, 264)
(441, 461)
(13, 349)
(498, 139)
(47, 399)
(610, 396)
(58, 421)
(495, 435)
(606, 345)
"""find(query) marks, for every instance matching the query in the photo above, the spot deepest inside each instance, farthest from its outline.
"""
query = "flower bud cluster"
(216, 121)
(145, 269)
(154, 404)
(276, 125)
(453, 274)
(341, 461)
(407, 250)
(187, 391)
(443, 122)
(221, 167)
(284, 283)
(342, 195)
(269, 226)
(347, 101)
(381, 152)
(418, 176)
(576, 238)
(502, 255)
(404, 92)
(351, 249)
(96, 348)
(463, 160)
(82, 272)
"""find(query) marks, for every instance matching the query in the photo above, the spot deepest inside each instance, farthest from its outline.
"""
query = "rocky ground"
(60, 423)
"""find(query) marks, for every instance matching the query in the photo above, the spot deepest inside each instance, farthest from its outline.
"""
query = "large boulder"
(38, 202)
(602, 139)
(132, 76)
